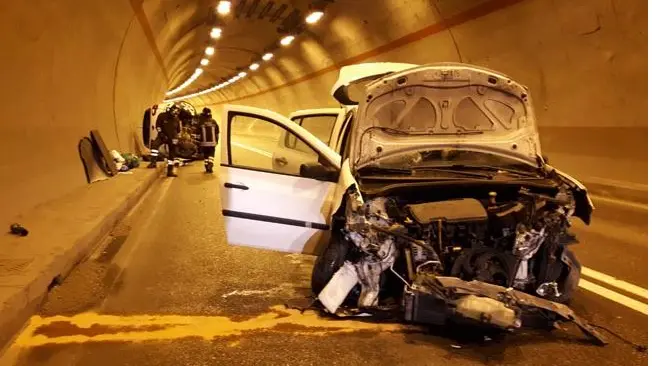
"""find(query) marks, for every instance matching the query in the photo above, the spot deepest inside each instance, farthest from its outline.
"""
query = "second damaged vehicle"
(440, 206)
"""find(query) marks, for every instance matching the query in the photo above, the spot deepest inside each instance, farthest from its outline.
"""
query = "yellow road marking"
(93, 327)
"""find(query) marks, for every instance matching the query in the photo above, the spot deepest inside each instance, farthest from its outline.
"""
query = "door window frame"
(321, 159)
(299, 120)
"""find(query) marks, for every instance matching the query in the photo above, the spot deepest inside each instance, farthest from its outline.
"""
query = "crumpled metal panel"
(520, 300)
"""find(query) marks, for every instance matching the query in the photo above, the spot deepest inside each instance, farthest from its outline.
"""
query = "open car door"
(267, 205)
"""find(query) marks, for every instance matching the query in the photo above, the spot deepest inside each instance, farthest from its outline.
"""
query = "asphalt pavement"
(166, 289)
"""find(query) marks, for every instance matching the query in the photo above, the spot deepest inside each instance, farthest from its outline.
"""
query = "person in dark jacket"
(209, 135)
(168, 126)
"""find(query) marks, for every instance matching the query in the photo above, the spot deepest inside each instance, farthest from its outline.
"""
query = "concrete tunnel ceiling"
(77, 66)
(582, 61)
(240, 37)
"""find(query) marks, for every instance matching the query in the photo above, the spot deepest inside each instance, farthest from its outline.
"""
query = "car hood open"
(349, 87)
(407, 108)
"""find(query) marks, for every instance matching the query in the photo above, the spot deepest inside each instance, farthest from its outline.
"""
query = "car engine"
(517, 243)
(494, 261)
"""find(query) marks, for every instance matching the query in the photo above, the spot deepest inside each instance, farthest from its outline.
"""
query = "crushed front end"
(500, 260)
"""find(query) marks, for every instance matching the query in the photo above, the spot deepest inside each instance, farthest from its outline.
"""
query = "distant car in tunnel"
(425, 169)
(188, 139)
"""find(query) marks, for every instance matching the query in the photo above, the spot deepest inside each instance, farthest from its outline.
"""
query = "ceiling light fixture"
(224, 7)
(204, 61)
(285, 41)
(314, 17)
(216, 33)
(268, 56)
(254, 67)
(242, 74)
(210, 51)
(193, 77)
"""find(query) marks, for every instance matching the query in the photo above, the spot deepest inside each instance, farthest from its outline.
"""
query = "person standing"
(168, 126)
(209, 134)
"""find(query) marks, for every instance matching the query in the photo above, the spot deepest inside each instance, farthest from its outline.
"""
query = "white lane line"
(613, 281)
(616, 183)
(614, 296)
(619, 202)
(247, 147)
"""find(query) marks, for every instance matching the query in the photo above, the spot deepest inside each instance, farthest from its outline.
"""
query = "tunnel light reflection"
(314, 17)
(204, 61)
(224, 7)
(268, 56)
(287, 40)
(185, 84)
(216, 33)
(254, 67)
(210, 51)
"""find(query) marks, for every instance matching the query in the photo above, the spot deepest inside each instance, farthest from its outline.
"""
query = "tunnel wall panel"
(59, 81)
(584, 62)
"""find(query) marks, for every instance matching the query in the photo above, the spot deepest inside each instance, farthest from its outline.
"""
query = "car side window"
(254, 143)
(321, 126)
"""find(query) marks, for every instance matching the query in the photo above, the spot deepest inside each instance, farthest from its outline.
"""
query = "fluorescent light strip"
(185, 84)
(314, 17)
(287, 40)
(202, 92)
(216, 33)
(224, 7)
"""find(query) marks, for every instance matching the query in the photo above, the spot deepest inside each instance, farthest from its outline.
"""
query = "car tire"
(328, 263)
(571, 282)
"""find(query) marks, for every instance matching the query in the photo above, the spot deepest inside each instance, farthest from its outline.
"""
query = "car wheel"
(328, 263)
(572, 279)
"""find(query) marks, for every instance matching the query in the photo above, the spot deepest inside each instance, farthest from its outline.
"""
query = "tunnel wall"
(68, 67)
(585, 62)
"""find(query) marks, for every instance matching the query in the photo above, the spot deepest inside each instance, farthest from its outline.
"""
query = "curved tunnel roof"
(72, 66)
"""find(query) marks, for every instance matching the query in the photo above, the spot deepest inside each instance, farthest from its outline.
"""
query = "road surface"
(166, 289)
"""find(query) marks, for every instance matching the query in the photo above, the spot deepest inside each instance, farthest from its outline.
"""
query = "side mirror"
(318, 172)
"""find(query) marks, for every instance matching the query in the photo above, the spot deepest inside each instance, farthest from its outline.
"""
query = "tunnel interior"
(70, 67)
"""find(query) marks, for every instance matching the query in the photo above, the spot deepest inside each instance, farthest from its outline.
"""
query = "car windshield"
(446, 158)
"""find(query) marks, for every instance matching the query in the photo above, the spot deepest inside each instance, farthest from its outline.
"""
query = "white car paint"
(270, 208)
(280, 196)
(445, 105)
(347, 89)
(292, 197)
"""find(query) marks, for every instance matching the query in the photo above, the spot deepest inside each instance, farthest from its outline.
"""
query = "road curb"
(15, 312)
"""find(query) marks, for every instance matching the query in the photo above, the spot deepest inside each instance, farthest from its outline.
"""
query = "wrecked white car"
(439, 204)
